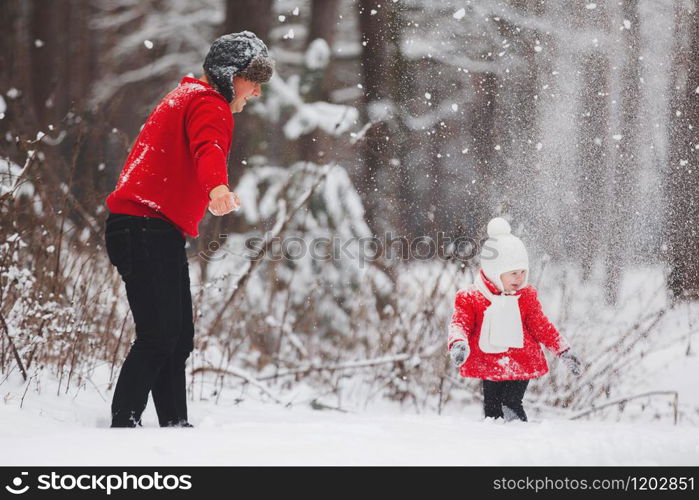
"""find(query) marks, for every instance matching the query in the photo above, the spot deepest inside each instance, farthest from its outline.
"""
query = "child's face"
(512, 280)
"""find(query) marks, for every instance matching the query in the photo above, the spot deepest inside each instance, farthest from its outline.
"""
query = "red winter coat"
(178, 158)
(515, 363)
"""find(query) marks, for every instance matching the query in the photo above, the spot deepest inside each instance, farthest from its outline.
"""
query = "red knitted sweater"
(178, 158)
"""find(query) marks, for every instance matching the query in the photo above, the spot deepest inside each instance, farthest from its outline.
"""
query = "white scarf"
(502, 321)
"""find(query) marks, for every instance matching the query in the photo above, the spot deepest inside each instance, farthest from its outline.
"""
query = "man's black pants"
(504, 399)
(150, 256)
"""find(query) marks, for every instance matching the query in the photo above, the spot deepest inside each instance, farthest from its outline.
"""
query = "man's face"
(244, 90)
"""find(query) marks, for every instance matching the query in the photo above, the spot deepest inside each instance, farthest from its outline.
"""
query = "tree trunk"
(481, 193)
(625, 169)
(683, 195)
(431, 206)
(50, 59)
(322, 25)
(324, 21)
(374, 21)
(401, 191)
(593, 143)
(15, 47)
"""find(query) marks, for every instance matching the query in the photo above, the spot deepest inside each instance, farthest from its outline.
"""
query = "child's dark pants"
(504, 399)
(150, 256)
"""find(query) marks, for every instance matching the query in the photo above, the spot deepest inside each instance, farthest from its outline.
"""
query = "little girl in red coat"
(498, 325)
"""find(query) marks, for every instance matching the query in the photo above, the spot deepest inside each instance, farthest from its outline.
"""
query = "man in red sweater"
(175, 170)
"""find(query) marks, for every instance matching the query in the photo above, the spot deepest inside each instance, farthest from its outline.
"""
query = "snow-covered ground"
(73, 430)
(242, 426)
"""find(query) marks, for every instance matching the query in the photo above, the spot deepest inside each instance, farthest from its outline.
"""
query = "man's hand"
(223, 201)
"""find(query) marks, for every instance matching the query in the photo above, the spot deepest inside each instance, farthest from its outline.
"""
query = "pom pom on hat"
(498, 227)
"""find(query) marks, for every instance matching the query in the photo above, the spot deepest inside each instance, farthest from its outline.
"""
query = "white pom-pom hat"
(503, 252)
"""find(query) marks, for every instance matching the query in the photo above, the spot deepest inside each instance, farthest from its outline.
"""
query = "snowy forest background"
(575, 120)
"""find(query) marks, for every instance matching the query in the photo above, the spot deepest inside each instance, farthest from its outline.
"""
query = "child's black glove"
(458, 353)
(572, 363)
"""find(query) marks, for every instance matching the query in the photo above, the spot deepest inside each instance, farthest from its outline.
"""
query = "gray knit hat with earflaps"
(237, 54)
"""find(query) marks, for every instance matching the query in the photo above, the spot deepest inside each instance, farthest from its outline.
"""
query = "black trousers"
(150, 256)
(504, 399)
